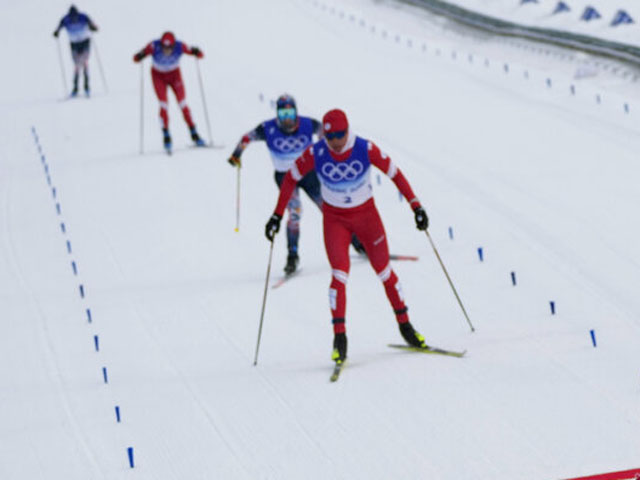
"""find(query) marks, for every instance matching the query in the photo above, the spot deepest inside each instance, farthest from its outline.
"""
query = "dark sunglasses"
(332, 135)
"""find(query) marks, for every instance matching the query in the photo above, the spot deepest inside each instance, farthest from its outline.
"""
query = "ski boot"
(196, 138)
(87, 90)
(292, 263)
(412, 337)
(166, 140)
(339, 354)
(74, 92)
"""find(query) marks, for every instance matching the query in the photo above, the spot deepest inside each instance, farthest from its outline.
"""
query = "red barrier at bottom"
(633, 474)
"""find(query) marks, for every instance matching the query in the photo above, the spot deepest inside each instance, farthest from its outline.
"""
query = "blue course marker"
(81, 288)
(451, 233)
(68, 246)
(117, 414)
(130, 454)
(593, 338)
(74, 267)
(513, 278)
(552, 304)
(480, 254)
(96, 343)
(89, 315)
(104, 375)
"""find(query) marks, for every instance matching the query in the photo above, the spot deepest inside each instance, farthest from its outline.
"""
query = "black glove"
(234, 161)
(56, 33)
(197, 52)
(273, 226)
(139, 56)
(422, 221)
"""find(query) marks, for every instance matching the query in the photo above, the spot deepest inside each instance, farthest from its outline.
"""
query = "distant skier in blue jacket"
(79, 27)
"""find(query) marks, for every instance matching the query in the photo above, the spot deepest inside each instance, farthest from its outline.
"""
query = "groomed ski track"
(545, 182)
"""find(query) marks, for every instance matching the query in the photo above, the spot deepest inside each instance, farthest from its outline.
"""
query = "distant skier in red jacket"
(165, 72)
(343, 162)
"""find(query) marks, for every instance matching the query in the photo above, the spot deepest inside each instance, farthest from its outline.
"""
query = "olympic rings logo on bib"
(342, 171)
(291, 144)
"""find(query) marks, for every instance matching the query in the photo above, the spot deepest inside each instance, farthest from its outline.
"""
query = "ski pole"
(204, 102)
(449, 279)
(104, 79)
(238, 199)
(264, 302)
(141, 108)
(64, 76)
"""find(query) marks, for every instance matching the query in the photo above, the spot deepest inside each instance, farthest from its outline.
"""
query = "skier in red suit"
(165, 72)
(343, 162)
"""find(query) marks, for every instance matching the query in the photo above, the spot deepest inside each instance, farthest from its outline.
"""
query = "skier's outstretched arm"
(195, 51)
(255, 134)
(303, 165)
(148, 50)
(92, 26)
(384, 163)
(56, 32)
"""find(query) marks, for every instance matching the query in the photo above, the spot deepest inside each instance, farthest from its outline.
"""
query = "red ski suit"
(166, 77)
(363, 220)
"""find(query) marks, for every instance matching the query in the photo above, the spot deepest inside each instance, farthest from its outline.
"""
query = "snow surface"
(546, 182)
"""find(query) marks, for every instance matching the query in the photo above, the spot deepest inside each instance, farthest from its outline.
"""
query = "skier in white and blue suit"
(287, 136)
(79, 27)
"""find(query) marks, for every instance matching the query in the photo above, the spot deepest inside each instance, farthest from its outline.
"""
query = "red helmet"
(168, 39)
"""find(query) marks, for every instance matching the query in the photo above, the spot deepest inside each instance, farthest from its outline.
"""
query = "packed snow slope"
(544, 181)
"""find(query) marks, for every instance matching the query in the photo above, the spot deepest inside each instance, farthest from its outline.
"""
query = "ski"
(428, 349)
(336, 371)
(281, 281)
(392, 256)
(214, 146)
(412, 258)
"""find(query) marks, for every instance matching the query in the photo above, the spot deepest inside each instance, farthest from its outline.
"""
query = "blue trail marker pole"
(96, 342)
(480, 254)
(513, 278)
(117, 414)
(81, 288)
(104, 374)
(88, 315)
(451, 233)
(552, 304)
(593, 338)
